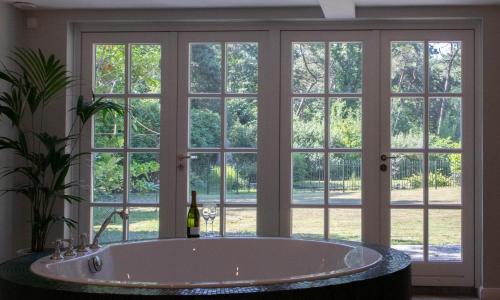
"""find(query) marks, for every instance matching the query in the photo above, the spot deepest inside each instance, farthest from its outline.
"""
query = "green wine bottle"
(193, 218)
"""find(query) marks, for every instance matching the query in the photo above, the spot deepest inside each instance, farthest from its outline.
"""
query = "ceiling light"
(24, 5)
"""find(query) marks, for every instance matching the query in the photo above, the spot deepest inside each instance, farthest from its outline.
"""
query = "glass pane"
(108, 128)
(445, 122)
(445, 67)
(242, 64)
(407, 67)
(241, 177)
(307, 223)
(345, 178)
(209, 226)
(345, 122)
(308, 122)
(407, 122)
(241, 120)
(346, 67)
(445, 234)
(114, 231)
(345, 224)
(407, 179)
(145, 69)
(107, 177)
(407, 231)
(241, 221)
(205, 122)
(144, 178)
(145, 123)
(205, 64)
(308, 67)
(445, 178)
(308, 178)
(143, 223)
(109, 69)
(204, 177)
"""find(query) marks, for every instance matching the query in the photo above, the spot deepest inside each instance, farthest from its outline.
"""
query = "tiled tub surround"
(386, 279)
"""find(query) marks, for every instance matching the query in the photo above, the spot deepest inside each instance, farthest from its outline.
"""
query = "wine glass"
(212, 214)
(206, 215)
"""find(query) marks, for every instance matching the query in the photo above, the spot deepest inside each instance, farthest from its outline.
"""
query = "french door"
(377, 144)
(126, 165)
(220, 140)
(427, 144)
(327, 142)
(352, 135)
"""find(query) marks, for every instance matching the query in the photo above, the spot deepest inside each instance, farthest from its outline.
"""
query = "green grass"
(406, 224)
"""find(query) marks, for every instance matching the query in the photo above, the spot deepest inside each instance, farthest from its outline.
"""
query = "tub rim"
(37, 267)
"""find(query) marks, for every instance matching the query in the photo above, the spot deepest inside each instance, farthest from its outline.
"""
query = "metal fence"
(406, 174)
(344, 176)
(208, 182)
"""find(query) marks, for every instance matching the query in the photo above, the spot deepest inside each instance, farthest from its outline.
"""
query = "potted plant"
(45, 160)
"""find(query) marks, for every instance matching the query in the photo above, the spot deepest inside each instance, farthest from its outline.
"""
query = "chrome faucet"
(57, 251)
(70, 251)
(95, 243)
(83, 243)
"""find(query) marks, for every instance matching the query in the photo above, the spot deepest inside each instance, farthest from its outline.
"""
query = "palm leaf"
(38, 79)
(12, 106)
(42, 77)
(85, 110)
(72, 198)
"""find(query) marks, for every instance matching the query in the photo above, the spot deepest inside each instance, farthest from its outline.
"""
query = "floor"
(442, 298)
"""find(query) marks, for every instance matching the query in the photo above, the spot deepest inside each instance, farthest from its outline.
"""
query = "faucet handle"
(70, 251)
(95, 243)
(83, 243)
(123, 214)
(57, 250)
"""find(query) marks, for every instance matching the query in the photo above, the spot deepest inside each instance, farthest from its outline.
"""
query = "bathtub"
(211, 262)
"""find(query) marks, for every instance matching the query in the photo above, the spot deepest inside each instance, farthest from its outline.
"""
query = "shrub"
(415, 181)
(438, 180)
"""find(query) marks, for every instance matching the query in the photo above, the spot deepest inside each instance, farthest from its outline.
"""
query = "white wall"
(12, 218)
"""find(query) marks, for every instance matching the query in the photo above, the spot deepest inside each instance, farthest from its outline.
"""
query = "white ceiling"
(108, 4)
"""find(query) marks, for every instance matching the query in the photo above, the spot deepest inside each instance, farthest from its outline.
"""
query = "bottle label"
(194, 231)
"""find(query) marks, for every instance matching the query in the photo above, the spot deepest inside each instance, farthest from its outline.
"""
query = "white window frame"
(168, 111)
(369, 208)
(270, 222)
(264, 139)
(424, 272)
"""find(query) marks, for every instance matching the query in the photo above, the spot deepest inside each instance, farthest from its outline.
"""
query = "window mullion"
(223, 141)
(125, 139)
(326, 142)
(426, 152)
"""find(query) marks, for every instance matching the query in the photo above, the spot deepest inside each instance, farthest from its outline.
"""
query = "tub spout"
(95, 243)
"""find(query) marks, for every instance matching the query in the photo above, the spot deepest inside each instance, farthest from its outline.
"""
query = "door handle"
(384, 157)
(182, 157)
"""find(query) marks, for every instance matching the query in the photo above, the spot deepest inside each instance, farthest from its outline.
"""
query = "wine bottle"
(193, 218)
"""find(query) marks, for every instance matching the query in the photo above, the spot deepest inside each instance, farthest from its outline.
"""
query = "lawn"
(406, 224)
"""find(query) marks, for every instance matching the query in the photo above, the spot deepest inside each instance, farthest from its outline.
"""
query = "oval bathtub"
(212, 262)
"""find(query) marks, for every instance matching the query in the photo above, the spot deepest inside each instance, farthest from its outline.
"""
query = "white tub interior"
(214, 262)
